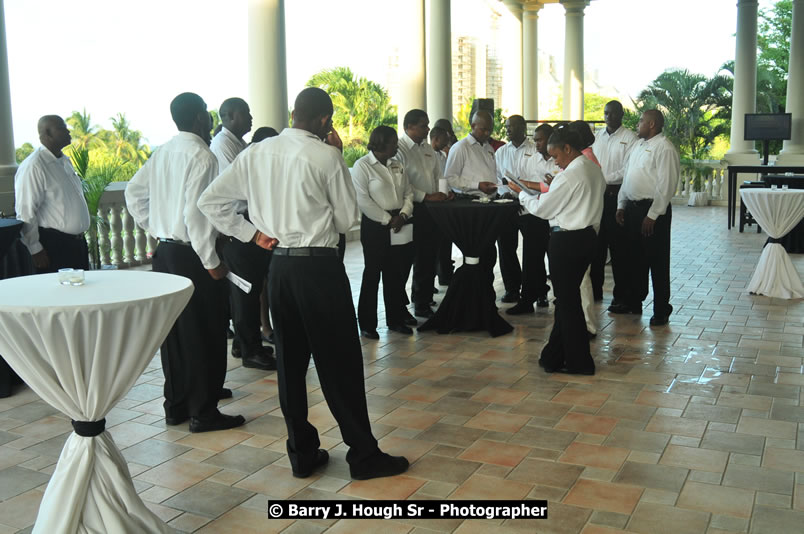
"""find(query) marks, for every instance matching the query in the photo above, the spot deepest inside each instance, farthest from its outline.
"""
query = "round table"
(777, 212)
(469, 304)
(9, 232)
(81, 349)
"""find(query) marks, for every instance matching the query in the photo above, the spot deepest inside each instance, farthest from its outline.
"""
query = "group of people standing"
(219, 205)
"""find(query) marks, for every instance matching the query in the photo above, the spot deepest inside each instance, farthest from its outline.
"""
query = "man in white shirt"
(162, 198)
(49, 200)
(520, 158)
(643, 208)
(612, 146)
(246, 260)
(471, 169)
(298, 190)
(440, 142)
(423, 171)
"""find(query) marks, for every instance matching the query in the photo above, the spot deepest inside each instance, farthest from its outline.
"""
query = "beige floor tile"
(677, 426)
(605, 496)
(692, 458)
(594, 456)
(590, 424)
(493, 452)
(650, 518)
(483, 487)
(766, 427)
(716, 499)
(784, 459)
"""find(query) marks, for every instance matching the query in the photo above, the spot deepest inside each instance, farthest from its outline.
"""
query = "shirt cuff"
(418, 196)
(246, 232)
(211, 262)
(35, 248)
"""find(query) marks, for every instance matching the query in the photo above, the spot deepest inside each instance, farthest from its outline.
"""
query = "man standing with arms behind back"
(612, 146)
(162, 198)
(50, 202)
(643, 208)
(299, 190)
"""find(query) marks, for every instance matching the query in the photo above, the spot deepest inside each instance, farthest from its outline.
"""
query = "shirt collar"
(49, 156)
(298, 132)
(190, 136)
(655, 139)
(228, 133)
(405, 140)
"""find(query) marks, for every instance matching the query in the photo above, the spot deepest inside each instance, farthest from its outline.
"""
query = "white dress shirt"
(612, 151)
(470, 163)
(226, 146)
(421, 166)
(652, 172)
(297, 188)
(48, 194)
(575, 199)
(442, 160)
(381, 189)
(519, 161)
(162, 197)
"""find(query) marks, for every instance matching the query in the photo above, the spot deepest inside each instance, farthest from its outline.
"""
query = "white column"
(573, 58)
(515, 7)
(793, 151)
(439, 68)
(530, 59)
(8, 161)
(744, 95)
(412, 90)
(267, 79)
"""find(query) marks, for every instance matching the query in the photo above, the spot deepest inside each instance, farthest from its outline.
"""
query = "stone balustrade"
(714, 181)
(122, 244)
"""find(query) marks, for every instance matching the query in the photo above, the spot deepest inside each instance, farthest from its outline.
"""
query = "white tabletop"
(81, 349)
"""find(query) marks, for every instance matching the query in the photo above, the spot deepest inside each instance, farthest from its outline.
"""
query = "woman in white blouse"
(385, 198)
(573, 206)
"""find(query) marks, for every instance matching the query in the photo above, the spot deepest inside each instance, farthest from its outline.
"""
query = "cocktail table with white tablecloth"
(81, 349)
(777, 211)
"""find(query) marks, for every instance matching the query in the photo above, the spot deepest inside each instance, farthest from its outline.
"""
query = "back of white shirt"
(226, 146)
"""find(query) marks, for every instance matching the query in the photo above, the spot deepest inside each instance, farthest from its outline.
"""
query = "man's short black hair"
(545, 129)
(566, 136)
(414, 116)
(185, 108)
(380, 137)
(263, 132)
(311, 104)
(437, 131)
(231, 105)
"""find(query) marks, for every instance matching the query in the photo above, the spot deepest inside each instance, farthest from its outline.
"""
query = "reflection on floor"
(696, 427)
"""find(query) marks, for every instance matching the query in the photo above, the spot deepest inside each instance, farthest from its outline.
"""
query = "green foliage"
(216, 120)
(593, 105)
(700, 173)
(360, 104)
(24, 151)
(353, 153)
(461, 122)
(696, 109)
(773, 40)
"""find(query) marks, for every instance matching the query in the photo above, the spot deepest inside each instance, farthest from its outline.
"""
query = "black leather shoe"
(261, 359)
(236, 352)
(225, 393)
(659, 320)
(510, 297)
(520, 308)
(566, 371)
(541, 302)
(547, 367)
(370, 334)
(400, 329)
(424, 313)
(321, 459)
(591, 335)
(229, 333)
(409, 319)
(626, 309)
(379, 465)
(435, 290)
(217, 421)
(174, 421)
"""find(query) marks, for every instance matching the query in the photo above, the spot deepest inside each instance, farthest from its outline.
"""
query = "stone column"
(439, 68)
(530, 59)
(744, 95)
(793, 151)
(267, 77)
(412, 80)
(515, 7)
(8, 161)
(573, 59)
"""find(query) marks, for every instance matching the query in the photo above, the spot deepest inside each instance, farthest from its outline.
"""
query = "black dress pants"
(507, 244)
(610, 239)
(381, 259)
(63, 250)
(194, 352)
(313, 313)
(251, 262)
(445, 266)
(571, 253)
(648, 254)
(535, 238)
(426, 238)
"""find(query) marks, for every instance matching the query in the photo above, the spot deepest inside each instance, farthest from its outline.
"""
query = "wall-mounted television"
(768, 126)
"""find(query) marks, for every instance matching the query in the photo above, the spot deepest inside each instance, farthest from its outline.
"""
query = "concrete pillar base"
(7, 173)
(743, 158)
(790, 158)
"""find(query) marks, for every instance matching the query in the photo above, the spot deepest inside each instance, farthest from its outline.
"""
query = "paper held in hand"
(403, 236)
(521, 185)
(244, 285)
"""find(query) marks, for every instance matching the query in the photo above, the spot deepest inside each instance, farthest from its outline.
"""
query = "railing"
(714, 180)
(123, 244)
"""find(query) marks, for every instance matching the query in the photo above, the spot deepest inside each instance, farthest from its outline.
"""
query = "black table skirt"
(16, 262)
(469, 304)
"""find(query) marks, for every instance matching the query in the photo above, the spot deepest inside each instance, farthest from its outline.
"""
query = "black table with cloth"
(14, 261)
(469, 304)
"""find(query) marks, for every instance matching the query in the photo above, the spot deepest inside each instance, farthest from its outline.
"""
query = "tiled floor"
(697, 427)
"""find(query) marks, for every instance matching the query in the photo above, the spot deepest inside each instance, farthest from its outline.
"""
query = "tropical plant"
(700, 172)
(593, 105)
(23, 152)
(462, 121)
(696, 108)
(360, 105)
(773, 42)
(126, 143)
(353, 153)
(82, 131)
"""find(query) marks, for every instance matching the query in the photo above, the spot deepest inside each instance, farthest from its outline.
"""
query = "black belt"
(59, 233)
(306, 251)
(641, 202)
(174, 241)
(89, 429)
(613, 189)
(559, 229)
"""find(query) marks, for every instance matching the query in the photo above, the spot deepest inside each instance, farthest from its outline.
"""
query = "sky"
(110, 56)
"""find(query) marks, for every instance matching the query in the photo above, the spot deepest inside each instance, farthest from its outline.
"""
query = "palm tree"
(125, 143)
(83, 133)
(696, 108)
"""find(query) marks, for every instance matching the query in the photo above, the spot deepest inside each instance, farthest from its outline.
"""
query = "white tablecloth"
(777, 212)
(81, 349)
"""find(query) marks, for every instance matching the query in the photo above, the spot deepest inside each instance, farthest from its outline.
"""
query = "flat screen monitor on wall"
(767, 127)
